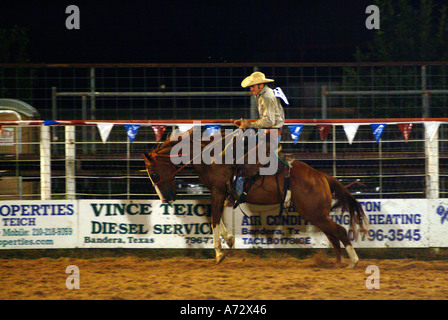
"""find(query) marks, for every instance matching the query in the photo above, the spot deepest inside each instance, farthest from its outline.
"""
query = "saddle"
(235, 199)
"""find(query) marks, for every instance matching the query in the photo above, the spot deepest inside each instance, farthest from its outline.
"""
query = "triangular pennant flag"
(104, 129)
(431, 129)
(324, 129)
(49, 122)
(350, 131)
(131, 130)
(405, 129)
(185, 127)
(278, 93)
(211, 129)
(158, 131)
(378, 129)
(175, 134)
(296, 130)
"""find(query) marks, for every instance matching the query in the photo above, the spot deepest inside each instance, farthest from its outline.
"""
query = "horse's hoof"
(352, 264)
(220, 257)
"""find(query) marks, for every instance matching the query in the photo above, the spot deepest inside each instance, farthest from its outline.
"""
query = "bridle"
(154, 156)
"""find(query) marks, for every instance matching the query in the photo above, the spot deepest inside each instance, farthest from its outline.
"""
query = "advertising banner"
(38, 224)
(145, 224)
(438, 221)
(392, 223)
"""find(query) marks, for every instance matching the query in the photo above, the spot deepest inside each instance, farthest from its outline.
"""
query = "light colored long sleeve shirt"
(270, 109)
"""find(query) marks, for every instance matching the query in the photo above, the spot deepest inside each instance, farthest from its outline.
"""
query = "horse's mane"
(168, 143)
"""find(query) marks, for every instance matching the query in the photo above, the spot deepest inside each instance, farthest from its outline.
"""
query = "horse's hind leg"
(336, 246)
(338, 232)
(342, 235)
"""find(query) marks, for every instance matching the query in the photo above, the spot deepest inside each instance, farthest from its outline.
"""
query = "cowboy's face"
(256, 88)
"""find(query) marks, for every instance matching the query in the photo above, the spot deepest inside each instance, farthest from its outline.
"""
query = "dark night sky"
(192, 31)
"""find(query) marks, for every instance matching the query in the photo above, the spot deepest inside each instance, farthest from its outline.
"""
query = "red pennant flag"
(405, 129)
(324, 129)
(158, 131)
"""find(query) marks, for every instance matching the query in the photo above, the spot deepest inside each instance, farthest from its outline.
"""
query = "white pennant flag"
(104, 129)
(278, 92)
(185, 127)
(431, 129)
(350, 131)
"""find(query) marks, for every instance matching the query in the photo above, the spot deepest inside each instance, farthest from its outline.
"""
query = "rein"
(281, 160)
(154, 155)
(167, 156)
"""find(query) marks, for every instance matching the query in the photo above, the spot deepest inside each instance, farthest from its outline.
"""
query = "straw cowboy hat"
(255, 78)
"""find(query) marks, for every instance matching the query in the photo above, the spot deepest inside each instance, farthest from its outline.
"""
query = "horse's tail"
(347, 203)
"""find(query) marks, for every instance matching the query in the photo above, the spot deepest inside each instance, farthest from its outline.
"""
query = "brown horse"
(312, 194)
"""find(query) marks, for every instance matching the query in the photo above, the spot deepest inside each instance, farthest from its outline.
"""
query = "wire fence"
(387, 168)
(42, 85)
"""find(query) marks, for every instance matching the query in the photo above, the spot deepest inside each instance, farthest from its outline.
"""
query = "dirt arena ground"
(241, 276)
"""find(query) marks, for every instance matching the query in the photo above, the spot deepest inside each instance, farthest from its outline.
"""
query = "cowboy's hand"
(242, 124)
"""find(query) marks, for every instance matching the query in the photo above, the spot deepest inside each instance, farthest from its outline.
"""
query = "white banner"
(392, 223)
(438, 222)
(145, 224)
(38, 224)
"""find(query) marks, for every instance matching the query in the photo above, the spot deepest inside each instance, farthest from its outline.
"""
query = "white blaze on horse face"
(157, 188)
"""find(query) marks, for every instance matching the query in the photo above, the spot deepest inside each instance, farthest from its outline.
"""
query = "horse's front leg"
(228, 238)
(217, 210)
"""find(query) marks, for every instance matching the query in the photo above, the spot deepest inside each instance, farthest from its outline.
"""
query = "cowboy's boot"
(231, 194)
(230, 201)
(241, 190)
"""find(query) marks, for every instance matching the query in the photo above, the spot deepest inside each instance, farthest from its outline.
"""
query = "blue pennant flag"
(131, 130)
(211, 129)
(378, 129)
(49, 122)
(296, 130)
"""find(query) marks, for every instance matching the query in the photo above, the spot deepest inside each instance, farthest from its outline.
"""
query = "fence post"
(45, 163)
(54, 103)
(432, 166)
(70, 152)
(324, 114)
(425, 95)
(253, 102)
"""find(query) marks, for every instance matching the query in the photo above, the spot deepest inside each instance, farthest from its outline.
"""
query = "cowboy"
(272, 116)
(270, 109)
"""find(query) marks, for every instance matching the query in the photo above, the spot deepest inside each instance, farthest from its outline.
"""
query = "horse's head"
(161, 171)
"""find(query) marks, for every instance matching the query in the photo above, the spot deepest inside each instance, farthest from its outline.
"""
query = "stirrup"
(231, 190)
(239, 200)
